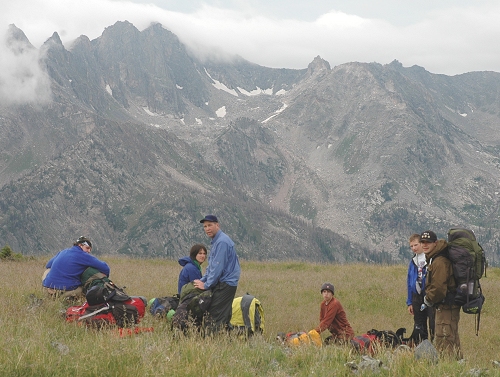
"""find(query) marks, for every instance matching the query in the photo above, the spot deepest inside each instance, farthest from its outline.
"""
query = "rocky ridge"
(335, 163)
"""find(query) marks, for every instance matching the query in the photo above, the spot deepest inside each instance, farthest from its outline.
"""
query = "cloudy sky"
(443, 36)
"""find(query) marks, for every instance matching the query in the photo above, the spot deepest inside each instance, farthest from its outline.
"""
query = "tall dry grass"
(36, 341)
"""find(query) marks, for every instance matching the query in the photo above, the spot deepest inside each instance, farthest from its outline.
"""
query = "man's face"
(416, 246)
(210, 228)
(85, 248)
(427, 247)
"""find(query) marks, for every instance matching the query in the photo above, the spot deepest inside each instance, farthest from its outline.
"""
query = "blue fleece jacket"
(223, 263)
(68, 265)
(189, 272)
(412, 279)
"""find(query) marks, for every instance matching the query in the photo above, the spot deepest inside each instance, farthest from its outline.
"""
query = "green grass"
(36, 341)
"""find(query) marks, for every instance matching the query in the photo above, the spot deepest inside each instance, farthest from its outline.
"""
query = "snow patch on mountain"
(221, 86)
(149, 112)
(276, 113)
(256, 92)
(221, 112)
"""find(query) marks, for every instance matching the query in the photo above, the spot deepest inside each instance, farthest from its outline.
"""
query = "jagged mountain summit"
(140, 138)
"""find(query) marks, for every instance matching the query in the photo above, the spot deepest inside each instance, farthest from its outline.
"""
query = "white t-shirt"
(420, 268)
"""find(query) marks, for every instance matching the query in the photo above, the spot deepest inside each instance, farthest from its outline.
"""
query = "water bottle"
(471, 287)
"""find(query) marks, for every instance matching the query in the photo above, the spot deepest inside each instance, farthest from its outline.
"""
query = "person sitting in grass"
(333, 318)
(191, 269)
(64, 270)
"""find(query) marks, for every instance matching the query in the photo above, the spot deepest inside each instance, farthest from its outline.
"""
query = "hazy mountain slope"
(471, 100)
(373, 154)
(142, 192)
(380, 141)
(140, 138)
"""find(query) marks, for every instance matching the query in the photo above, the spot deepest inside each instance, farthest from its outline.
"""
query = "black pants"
(421, 330)
(221, 308)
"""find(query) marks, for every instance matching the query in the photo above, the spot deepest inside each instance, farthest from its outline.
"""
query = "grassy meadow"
(36, 341)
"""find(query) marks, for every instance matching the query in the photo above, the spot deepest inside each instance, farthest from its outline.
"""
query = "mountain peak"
(396, 64)
(83, 42)
(140, 137)
(54, 40)
(318, 65)
(17, 40)
(120, 28)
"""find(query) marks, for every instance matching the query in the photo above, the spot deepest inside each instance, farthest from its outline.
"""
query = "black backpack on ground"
(98, 288)
(193, 304)
(107, 304)
(373, 339)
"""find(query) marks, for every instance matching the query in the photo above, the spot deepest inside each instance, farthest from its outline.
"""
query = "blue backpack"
(162, 305)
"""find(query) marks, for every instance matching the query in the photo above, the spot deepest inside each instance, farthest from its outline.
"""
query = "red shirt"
(332, 317)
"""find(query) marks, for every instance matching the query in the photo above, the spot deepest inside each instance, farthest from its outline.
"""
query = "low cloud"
(22, 78)
(450, 41)
(454, 40)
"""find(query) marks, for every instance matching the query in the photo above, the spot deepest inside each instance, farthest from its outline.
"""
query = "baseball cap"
(211, 218)
(428, 236)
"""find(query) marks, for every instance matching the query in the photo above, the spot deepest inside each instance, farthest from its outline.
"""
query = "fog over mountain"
(129, 138)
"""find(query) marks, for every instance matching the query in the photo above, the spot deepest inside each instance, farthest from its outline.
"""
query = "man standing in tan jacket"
(440, 293)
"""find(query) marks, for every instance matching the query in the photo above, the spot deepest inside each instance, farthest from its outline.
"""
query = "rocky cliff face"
(394, 154)
(140, 139)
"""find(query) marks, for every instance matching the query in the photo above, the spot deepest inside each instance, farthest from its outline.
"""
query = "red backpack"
(111, 313)
(367, 343)
(364, 343)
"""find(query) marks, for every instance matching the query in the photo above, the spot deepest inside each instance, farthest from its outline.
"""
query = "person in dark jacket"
(440, 293)
(191, 269)
(64, 270)
(415, 283)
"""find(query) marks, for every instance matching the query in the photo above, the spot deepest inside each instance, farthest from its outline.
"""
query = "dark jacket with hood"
(440, 283)
(191, 271)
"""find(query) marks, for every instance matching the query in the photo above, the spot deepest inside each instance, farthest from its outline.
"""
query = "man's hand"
(410, 309)
(199, 284)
